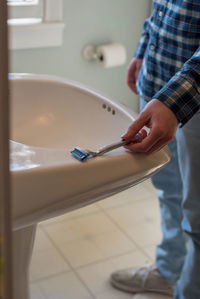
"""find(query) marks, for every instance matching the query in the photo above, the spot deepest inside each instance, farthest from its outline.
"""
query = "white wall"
(95, 22)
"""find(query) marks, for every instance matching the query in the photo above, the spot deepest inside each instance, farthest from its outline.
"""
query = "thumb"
(136, 126)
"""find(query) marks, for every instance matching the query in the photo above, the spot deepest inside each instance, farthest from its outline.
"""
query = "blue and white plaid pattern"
(170, 49)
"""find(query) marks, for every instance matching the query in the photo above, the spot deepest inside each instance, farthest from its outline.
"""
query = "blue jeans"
(178, 254)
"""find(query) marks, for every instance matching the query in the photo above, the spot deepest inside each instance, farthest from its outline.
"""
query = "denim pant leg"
(188, 139)
(170, 253)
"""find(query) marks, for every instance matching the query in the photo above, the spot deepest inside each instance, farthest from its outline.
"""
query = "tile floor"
(74, 254)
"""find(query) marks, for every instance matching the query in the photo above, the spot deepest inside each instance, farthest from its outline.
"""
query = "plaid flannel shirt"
(170, 49)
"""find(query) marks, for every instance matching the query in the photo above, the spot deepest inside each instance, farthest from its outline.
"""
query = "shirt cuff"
(181, 96)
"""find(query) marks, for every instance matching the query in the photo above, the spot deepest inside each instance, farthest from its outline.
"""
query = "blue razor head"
(79, 154)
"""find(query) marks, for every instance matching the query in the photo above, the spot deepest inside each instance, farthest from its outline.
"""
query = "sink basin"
(49, 117)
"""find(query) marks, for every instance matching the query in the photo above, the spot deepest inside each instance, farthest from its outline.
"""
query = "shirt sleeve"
(182, 93)
(142, 45)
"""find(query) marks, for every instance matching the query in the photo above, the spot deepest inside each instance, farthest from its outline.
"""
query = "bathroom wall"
(90, 22)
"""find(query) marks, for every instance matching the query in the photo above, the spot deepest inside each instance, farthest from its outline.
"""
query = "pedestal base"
(23, 241)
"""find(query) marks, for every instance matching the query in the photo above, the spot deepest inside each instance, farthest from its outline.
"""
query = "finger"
(158, 146)
(147, 143)
(154, 142)
(136, 126)
(139, 136)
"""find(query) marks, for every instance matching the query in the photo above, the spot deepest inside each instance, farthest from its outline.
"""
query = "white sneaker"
(145, 279)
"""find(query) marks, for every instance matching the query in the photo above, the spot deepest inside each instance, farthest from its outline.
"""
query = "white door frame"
(5, 219)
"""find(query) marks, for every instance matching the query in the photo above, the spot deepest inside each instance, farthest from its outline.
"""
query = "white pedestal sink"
(49, 117)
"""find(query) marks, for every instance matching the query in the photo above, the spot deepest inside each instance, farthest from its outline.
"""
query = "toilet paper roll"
(111, 55)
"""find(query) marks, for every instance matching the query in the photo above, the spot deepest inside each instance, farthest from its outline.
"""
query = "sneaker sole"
(135, 290)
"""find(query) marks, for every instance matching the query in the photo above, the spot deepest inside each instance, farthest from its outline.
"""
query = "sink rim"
(75, 85)
(34, 196)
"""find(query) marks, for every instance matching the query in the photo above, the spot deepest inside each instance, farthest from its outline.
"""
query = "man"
(166, 71)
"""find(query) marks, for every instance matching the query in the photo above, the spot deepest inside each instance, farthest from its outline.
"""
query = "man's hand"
(162, 123)
(133, 72)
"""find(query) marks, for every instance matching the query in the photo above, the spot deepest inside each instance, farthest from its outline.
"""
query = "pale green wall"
(95, 22)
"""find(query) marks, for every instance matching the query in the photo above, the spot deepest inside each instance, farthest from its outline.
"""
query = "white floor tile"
(149, 186)
(95, 241)
(35, 292)
(65, 286)
(150, 296)
(131, 214)
(96, 248)
(113, 243)
(134, 259)
(144, 234)
(138, 192)
(81, 252)
(150, 251)
(47, 262)
(42, 242)
(115, 294)
(79, 228)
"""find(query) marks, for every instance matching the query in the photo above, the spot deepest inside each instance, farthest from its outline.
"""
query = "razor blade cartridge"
(79, 154)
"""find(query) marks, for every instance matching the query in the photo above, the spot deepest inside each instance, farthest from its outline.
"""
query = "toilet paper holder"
(90, 53)
(106, 55)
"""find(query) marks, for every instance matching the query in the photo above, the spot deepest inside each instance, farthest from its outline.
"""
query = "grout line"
(118, 227)
(100, 209)
(133, 201)
(90, 263)
(70, 266)
(50, 276)
(138, 247)
(104, 260)
(74, 270)
(43, 293)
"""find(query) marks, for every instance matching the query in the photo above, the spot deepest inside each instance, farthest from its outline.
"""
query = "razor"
(83, 154)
